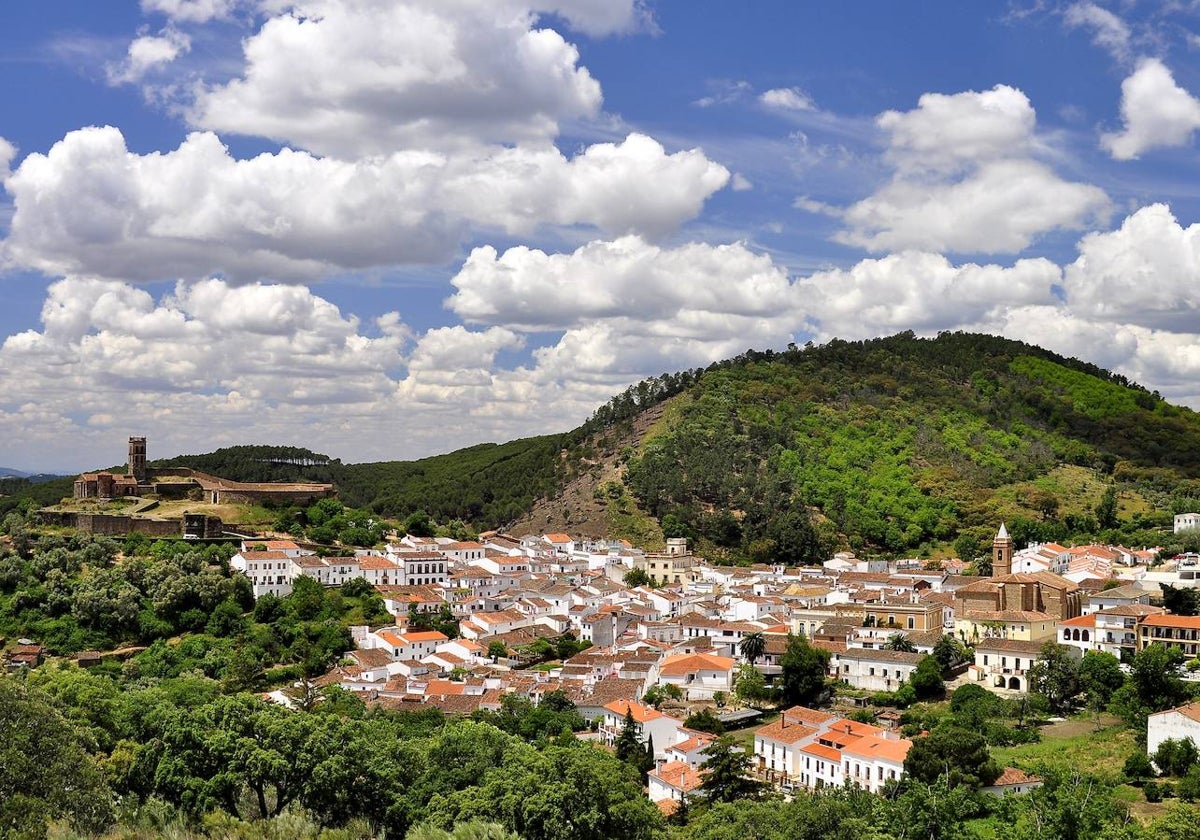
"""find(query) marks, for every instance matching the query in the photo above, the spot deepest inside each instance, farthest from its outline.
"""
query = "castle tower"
(1002, 553)
(137, 459)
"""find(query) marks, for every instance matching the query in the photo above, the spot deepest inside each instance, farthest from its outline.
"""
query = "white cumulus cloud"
(370, 77)
(967, 179)
(191, 11)
(1146, 272)
(148, 53)
(1156, 111)
(90, 206)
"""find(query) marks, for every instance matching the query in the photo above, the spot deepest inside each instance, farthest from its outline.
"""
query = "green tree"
(628, 745)
(46, 772)
(1100, 676)
(636, 577)
(1055, 676)
(703, 720)
(752, 646)
(725, 772)
(805, 671)
(959, 755)
(949, 653)
(1154, 674)
(473, 830)
(419, 524)
(1138, 767)
(1181, 600)
(900, 642)
(751, 686)
(1188, 788)
(497, 650)
(926, 680)
(1106, 509)
(1175, 757)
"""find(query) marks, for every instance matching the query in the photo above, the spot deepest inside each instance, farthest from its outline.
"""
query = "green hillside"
(902, 444)
(897, 445)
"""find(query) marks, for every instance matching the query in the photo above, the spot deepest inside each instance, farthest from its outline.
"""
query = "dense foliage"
(70, 594)
(901, 442)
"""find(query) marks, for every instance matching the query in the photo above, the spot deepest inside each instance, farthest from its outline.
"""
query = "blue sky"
(388, 228)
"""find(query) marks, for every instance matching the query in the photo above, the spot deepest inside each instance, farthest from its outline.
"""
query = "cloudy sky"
(389, 228)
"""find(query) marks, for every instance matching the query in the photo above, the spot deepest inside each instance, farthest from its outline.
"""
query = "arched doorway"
(1014, 683)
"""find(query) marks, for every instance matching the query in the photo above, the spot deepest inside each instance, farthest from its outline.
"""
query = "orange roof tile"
(872, 746)
(688, 663)
(641, 714)
(1191, 622)
(1079, 621)
(785, 733)
(678, 775)
(827, 753)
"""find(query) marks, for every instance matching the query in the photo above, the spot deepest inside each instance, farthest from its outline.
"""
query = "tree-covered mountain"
(895, 445)
(900, 444)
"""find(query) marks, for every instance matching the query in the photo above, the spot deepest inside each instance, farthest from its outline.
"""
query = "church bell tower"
(137, 459)
(1002, 553)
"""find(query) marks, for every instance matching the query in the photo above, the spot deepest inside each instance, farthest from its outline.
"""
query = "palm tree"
(752, 646)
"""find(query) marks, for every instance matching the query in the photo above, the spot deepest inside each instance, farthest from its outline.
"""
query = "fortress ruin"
(184, 482)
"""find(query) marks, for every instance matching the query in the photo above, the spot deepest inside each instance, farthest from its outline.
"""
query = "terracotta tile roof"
(785, 733)
(881, 655)
(804, 714)
(1191, 622)
(827, 753)
(872, 746)
(641, 714)
(444, 687)
(688, 663)
(1014, 776)
(370, 562)
(1079, 621)
(1191, 711)
(678, 775)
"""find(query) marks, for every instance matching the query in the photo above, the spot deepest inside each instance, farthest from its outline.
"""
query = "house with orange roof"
(671, 783)
(268, 571)
(559, 543)
(407, 645)
(1179, 631)
(698, 675)
(493, 623)
(378, 569)
(651, 724)
(1180, 723)
(690, 750)
(812, 749)
(1013, 780)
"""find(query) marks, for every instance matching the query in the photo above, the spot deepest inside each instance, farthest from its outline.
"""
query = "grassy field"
(1098, 744)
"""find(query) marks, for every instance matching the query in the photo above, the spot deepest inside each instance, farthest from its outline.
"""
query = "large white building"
(875, 670)
(1187, 522)
(1178, 724)
(813, 749)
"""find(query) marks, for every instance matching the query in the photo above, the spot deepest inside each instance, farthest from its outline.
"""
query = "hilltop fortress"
(186, 483)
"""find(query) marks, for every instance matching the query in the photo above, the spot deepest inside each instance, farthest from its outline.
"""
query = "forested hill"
(899, 444)
(896, 445)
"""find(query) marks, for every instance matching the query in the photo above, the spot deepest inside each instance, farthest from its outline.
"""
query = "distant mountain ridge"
(898, 444)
